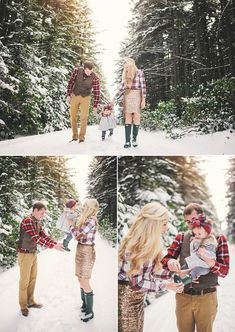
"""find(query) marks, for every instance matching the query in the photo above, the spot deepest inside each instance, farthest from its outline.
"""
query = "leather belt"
(192, 291)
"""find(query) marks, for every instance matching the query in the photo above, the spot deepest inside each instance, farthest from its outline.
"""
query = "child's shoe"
(65, 244)
(185, 280)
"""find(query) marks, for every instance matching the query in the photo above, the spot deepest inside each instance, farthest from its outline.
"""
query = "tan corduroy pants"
(196, 312)
(28, 274)
(83, 103)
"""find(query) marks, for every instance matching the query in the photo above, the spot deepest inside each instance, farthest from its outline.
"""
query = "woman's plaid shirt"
(146, 279)
(138, 83)
(87, 230)
(221, 266)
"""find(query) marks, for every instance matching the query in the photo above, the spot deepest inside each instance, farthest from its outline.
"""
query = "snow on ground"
(150, 143)
(57, 288)
(160, 315)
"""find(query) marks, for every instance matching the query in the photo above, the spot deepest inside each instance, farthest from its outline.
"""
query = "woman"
(140, 268)
(84, 233)
(133, 87)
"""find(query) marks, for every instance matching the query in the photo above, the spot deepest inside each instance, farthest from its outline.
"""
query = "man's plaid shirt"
(95, 86)
(221, 266)
(40, 237)
(138, 83)
(88, 230)
(146, 280)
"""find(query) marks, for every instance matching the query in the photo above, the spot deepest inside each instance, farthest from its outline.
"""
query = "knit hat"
(200, 221)
(70, 203)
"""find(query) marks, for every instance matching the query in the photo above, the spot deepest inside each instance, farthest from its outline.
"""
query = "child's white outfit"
(66, 220)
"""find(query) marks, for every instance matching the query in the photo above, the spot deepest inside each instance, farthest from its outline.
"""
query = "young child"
(202, 238)
(107, 120)
(84, 232)
(66, 220)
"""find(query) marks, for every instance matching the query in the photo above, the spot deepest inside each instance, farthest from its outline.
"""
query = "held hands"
(95, 110)
(173, 265)
(59, 246)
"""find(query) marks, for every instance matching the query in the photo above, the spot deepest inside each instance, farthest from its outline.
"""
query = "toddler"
(107, 121)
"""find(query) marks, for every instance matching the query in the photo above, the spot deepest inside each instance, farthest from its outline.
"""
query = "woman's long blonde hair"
(143, 240)
(89, 209)
(129, 74)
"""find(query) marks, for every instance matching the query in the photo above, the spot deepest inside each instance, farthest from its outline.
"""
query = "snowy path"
(150, 143)
(57, 288)
(160, 315)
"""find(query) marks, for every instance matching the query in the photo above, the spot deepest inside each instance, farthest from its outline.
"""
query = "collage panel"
(58, 235)
(176, 243)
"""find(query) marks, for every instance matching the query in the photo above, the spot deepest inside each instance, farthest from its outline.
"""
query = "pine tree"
(231, 200)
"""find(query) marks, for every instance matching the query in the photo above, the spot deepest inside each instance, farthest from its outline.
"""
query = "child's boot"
(89, 314)
(65, 244)
(185, 280)
(103, 135)
(128, 136)
(111, 132)
(134, 135)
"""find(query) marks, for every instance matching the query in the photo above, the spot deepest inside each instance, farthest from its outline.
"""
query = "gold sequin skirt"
(130, 309)
(84, 260)
(132, 101)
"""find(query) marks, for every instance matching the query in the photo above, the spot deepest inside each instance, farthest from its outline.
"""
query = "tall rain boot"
(134, 135)
(128, 136)
(83, 307)
(89, 314)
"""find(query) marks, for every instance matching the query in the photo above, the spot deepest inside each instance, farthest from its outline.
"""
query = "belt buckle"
(192, 291)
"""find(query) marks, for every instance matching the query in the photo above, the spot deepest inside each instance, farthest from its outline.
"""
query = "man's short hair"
(39, 206)
(191, 207)
(88, 64)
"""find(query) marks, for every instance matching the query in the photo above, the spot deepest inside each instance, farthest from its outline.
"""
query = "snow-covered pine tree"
(24, 180)
(102, 185)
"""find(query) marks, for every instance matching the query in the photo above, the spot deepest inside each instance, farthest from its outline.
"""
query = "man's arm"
(29, 226)
(221, 267)
(71, 82)
(173, 253)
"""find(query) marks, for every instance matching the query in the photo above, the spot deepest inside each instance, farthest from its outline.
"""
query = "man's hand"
(173, 265)
(95, 110)
(59, 246)
(202, 254)
(68, 99)
(175, 287)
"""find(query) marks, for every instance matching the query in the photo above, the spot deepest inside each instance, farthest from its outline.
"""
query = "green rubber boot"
(134, 135)
(185, 280)
(83, 307)
(89, 314)
(128, 136)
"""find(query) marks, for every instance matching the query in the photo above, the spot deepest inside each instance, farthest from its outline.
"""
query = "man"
(81, 83)
(197, 305)
(31, 234)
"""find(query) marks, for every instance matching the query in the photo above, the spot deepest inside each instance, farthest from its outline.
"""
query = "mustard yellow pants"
(82, 103)
(196, 311)
(28, 274)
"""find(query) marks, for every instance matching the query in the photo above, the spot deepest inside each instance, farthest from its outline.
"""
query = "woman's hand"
(142, 105)
(68, 99)
(175, 287)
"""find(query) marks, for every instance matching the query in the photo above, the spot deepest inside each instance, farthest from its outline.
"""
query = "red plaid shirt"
(221, 266)
(146, 280)
(88, 230)
(40, 237)
(95, 86)
(138, 83)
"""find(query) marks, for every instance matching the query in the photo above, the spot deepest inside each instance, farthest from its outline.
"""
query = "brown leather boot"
(35, 305)
(25, 312)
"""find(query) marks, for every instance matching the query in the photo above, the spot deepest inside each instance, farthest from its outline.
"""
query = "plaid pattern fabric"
(28, 224)
(95, 87)
(221, 266)
(138, 83)
(146, 279)
(88, 230)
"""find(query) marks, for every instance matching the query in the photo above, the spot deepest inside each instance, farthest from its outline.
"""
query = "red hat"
(70, 203)
(108, 106)
(200, 221)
